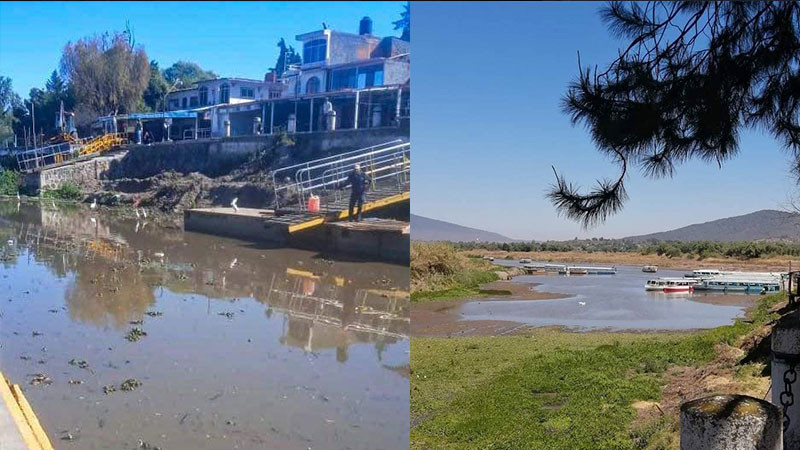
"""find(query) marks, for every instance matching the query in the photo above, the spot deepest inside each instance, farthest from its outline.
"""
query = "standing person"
(148, 138)
(139, 132)
(327, 110)
(359, 181)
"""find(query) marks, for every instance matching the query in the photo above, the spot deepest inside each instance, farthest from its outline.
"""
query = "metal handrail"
(382, 163)
(43, 157)
(332, 158)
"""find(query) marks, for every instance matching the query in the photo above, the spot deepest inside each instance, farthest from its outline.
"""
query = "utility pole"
(33, 121)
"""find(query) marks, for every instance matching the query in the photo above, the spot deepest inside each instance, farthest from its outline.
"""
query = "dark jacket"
(359, 181)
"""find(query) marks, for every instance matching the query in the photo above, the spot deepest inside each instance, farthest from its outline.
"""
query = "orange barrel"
(313, 203)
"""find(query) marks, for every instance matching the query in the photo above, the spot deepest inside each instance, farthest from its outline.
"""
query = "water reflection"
(246, 347)
(116, 270)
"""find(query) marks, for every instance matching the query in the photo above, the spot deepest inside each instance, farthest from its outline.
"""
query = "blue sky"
(232, 39)
(487, 127)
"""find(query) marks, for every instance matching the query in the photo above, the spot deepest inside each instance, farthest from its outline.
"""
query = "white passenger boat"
(587, 270)
(706, 273)
(671, 285)
(761, 285)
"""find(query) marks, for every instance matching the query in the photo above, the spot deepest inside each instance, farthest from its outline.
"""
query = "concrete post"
(730, 422)
(271, 117)
(291, 124)
(355, 120)
(227, 128)
(196, 124)
(785, 362)
(256, 126)
(331, 121)
(397, 110)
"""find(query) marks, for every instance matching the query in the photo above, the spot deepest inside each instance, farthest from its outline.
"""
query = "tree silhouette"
(404, 23)
(692, 77)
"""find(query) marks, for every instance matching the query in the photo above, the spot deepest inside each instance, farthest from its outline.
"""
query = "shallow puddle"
(237, 346)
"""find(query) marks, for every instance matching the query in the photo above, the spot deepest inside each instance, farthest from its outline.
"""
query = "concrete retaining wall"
(218, 156)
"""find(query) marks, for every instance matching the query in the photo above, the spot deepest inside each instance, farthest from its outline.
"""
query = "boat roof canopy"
(185, 114)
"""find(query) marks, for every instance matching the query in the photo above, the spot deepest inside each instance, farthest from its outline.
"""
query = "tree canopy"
(286, 57)
(107, 74)
(404, 23)
(186, 73)
(692, 77)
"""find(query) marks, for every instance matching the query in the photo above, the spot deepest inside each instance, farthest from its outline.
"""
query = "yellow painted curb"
(25, 419)
(33, 421)
(346, 213)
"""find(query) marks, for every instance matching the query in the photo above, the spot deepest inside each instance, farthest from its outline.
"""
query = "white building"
(335, 61)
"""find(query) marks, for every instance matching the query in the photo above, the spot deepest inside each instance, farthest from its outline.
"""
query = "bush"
(67, 191)
(9, 182)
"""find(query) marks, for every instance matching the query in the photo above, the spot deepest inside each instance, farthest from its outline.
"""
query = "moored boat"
(525, 261)
(761, 285)
(670, 285)
(587, 270)
(650, 268)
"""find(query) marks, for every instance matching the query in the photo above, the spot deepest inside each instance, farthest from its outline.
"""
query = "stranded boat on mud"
(671, 285)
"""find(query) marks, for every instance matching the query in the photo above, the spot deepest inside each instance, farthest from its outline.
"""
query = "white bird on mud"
(144, 213)
(582, 303)
(233, 263)
(18, 198)
(94, 203)
(136, 210)
(233, 203)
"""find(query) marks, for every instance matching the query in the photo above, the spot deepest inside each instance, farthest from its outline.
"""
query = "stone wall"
(86, 174)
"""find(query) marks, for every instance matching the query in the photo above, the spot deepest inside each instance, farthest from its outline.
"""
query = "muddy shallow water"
(245, 347)
(616, 302)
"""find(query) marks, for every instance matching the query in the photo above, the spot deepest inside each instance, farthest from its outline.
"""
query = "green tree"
(692, 77)
(185, 73)
(157, 88)
(9, 102)
(286, 57)
(404, 23)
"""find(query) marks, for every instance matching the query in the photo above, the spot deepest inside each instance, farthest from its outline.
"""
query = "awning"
(185, 114)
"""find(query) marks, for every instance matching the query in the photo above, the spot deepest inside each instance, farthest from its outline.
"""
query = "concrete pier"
(374, 239)
(730, 422)
(785, 363)
(19, 427)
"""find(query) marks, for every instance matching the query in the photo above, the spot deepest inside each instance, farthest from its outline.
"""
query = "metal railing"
(388, 166)
(43, 157)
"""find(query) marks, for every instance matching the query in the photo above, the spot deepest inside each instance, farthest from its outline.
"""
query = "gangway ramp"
(38, 159)
(388, 165)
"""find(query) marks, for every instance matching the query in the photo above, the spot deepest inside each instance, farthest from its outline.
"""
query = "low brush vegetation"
(554, 390)
(9, 182)
(439, 271)
(744, 250)
(66, 191)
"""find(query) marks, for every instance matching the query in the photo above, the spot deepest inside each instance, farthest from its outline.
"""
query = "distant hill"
(425, 229)
(758, 226)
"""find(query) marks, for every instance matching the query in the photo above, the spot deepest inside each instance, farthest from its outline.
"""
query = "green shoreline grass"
(553, 389)
(463, 285)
